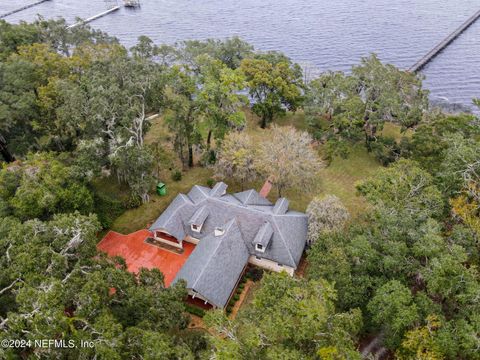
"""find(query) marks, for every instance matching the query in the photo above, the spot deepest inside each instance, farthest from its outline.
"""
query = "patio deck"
(139, 254)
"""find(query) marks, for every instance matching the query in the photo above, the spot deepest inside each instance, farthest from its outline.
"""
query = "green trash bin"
(161, 189)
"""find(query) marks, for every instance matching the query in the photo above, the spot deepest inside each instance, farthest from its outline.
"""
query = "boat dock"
(22, 8)
(419, 65)
(90, 19)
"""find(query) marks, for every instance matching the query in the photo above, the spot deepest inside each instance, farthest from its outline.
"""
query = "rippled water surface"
(324, 33)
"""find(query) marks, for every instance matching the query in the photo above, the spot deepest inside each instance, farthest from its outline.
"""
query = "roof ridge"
(284, 242)
(250, 193)
(213, 252)
(181, 206)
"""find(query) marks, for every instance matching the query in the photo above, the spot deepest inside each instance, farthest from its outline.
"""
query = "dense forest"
(76, 107)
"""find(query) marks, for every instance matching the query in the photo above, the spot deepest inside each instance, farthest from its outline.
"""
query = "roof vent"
(281, 206)
(219, 231)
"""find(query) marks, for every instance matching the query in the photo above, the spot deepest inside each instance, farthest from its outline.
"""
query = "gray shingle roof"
(171, 219)
(218, 190)
(251, 197)
(289, 227)
(282, 232)
(214, 267)
(264, 235)
(198, 193)
(199, 217)
(281, 206)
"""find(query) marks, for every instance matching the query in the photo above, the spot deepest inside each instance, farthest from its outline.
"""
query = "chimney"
(266, 188)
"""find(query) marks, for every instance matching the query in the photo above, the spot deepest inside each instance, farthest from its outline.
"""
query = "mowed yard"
(338, 178)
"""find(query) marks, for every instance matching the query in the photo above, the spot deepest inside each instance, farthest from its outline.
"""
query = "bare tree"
(236, 158)
(325, 215)
(288, 157)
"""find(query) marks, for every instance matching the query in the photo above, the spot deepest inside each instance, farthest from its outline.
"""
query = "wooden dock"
(90, 19)
(419, 65)
(22, 8)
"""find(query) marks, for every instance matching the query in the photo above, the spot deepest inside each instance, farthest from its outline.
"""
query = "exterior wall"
(270, 265)
(165, 241)
(196, 295)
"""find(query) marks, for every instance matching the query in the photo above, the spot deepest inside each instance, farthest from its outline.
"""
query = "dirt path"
(196, 322)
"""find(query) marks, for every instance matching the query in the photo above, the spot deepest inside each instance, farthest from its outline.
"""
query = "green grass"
(394, 131)
(141, 217)
(339, 178)
(110, 187)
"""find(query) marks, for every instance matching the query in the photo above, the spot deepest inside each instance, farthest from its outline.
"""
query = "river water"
(326, 34)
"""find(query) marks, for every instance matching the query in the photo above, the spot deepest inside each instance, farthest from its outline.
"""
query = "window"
(260, 248)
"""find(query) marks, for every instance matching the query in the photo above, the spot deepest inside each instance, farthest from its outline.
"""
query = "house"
(230, 231)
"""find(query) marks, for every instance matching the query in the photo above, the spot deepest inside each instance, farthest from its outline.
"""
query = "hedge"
(195, 310)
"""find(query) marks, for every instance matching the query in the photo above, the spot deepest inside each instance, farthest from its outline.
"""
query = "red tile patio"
(137, 253)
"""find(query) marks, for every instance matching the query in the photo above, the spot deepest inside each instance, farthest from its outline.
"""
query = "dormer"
(263, 238)
(198, 219)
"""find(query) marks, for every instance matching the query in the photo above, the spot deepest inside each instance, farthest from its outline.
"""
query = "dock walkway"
(420, 64)
(90, 19)
(22, 8)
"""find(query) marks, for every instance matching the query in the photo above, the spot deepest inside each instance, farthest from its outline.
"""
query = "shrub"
(176, 175)
(229, 309)
(236, 297)
(195, 310)
(209, 158)
(132, 202)
(254, 274)
(210, 182)
(386, 150)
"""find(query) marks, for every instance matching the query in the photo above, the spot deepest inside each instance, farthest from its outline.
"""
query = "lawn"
(141, 217)
(339, 178)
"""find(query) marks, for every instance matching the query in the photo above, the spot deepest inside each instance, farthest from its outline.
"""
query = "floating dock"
(22, 8)
(419, 65)
(90, 19)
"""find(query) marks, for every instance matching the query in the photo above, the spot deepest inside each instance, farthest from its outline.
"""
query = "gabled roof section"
(199, 216)
(264, 235)
(218, 190)
(281, 206)
(251, 197)
(214, 267)
(292, 228)
(198, 193)
(177, 203)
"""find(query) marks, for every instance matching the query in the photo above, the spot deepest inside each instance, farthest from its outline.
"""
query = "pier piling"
(419, 65)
